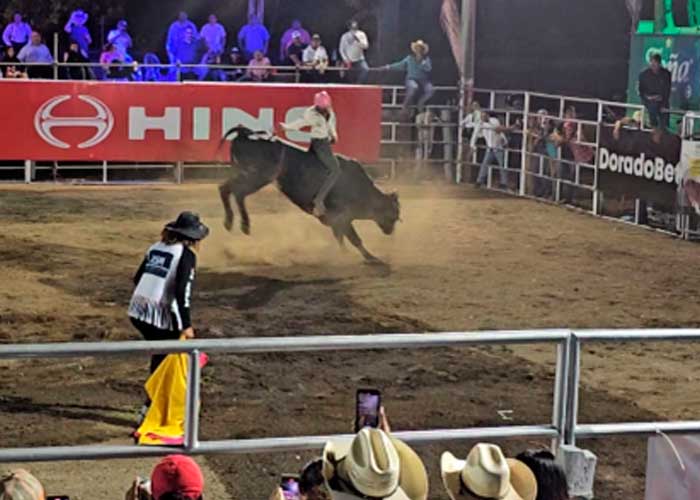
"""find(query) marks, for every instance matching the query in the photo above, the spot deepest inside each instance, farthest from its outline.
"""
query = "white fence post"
(523, 149)
(28, 171)
(192, 402)
(572, 391)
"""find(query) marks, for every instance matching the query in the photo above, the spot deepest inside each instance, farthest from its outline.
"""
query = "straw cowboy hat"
(420, 45)
(374, 465)
(487, 474)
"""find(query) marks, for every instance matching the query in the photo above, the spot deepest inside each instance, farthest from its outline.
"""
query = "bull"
(259, 159)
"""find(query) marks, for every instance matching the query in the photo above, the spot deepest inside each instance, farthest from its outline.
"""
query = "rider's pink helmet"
(322, 100)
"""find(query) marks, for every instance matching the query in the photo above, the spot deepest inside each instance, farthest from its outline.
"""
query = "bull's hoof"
(228, 224)
(371, 260)
(245, 227)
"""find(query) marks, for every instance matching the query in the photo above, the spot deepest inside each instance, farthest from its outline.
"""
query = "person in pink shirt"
(258, 68)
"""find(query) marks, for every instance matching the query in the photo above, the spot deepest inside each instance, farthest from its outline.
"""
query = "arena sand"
(461, 260)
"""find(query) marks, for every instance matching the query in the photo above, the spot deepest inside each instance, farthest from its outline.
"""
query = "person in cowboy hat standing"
(487, 474)
(418, 68)
(160, 304)
(322, 120)
(373, 465)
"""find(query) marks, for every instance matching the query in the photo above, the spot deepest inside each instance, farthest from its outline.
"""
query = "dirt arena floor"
(461, 260)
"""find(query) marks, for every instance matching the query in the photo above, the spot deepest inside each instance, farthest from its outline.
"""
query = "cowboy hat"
(189, 226)
(487, 474)
(373, 464)
(420, 45)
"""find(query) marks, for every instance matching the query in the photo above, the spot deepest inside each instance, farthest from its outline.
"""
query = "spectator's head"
(253, 19)
(9, 51)
(487, 474)
(296, 38)
(189, 35)
(36, 38)
(213, 19)
(353, 25)
(17, 17)
(311, 481)
(122, 25)
(323, 101)
(79, 17)
(235, 55)
(21, 485)
(74, 47)
(177, 476)
(316, 41)
(296, 24)
(182, 16)
(373, 465)
(420, 48)
(570, 112)
(258, 55)
(551, 478)
(655, 61)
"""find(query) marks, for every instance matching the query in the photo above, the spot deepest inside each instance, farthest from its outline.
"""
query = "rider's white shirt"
(320, 127)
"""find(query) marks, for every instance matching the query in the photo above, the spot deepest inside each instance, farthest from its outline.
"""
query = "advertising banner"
(680, 54)
(639, 164)
(120, 121)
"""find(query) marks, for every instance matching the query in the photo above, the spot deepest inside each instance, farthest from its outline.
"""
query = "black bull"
(258, 160)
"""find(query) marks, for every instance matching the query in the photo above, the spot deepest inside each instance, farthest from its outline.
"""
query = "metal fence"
(563, 427)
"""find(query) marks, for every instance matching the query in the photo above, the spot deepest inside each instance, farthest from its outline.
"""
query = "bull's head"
(389, 213)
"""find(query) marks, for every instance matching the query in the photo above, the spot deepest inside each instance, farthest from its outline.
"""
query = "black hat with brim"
(189, 226)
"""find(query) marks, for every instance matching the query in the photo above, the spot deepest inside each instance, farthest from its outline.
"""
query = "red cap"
(177, 474)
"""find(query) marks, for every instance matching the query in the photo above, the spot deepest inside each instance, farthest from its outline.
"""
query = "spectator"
(21, 485)
(573, 152)
(17, 33)
(418, 68)
(493, 133)
(212, 74)
(176, 33)
(551, 478)
(258, 69)
(655, 91)
(152, 73)
(79, 34)
(315, 57)
(120, 38)
(10, 56)
(188, 51)
(487, 474)
(311, 483)
(373, 465)
(353, 45)
(287, 38)
(235, 74)
(295, 52)
(545, 148)
(174, 477)
(214, 36)
(36, 52)
(111, 62)
(634, 121)
(75, 56)
(253, 37)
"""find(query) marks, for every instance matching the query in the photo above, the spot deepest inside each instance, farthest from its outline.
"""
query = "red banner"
(118, 121)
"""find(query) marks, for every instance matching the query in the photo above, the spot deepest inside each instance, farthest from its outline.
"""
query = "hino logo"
(45, 121)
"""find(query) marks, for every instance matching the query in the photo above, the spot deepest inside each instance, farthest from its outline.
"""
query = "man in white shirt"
(214, 35)
(17, 33)
(493, 133)
(315, 57)
(120, 38)
(353, 45)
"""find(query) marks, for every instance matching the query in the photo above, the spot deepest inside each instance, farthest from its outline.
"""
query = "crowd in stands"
(202, 53)
(373, 464)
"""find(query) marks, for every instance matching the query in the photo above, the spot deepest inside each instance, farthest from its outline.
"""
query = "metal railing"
(563, 428)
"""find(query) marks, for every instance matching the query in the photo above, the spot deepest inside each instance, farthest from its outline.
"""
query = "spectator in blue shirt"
(36, 52)
(253, 37)
(17, 33)
(188, 51)
(121, 39)
(418, 68)
(79, 34)
(176, 33)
